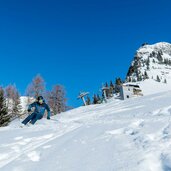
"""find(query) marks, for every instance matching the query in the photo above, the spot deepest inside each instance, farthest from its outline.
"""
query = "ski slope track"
(131, 135)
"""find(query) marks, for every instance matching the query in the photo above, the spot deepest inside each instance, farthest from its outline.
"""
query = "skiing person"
(39, 109)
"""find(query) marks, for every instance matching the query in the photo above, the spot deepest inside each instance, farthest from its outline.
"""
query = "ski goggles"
(41, 101)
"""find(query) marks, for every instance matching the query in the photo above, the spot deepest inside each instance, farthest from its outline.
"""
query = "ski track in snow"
(28, 146)
(133, 135)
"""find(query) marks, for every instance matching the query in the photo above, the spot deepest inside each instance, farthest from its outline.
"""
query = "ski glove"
(29, 110)
(48, 117)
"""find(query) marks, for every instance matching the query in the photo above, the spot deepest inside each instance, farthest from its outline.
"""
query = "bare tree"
(36, 87)
(29, 99)
(17, 104)
(13, 100)
(9, 96)
(56, 99)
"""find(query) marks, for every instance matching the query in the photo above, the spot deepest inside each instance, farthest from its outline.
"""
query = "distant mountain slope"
(151, 68)
(151, 61)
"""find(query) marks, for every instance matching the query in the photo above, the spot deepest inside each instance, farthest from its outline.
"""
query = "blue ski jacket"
(40, 108)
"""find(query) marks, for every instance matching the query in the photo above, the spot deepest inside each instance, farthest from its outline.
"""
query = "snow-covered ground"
(131, 135)
(150, 86)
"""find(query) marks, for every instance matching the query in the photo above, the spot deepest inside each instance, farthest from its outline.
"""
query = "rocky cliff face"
(151, 62)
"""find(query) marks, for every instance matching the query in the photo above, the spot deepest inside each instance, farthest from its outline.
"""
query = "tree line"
(111, 88)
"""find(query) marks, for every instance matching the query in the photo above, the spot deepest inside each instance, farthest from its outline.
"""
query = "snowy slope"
(132, 135)
(151, 86)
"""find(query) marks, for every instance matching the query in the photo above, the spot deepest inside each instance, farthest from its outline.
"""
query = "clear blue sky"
(76, 43)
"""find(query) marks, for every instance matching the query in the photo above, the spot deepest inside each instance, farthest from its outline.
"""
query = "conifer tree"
(169, 62)
(118, 82)
(95, 100)
(146, 75)
(4, 116)
(133, 80)
(140, 78)
(111, 84)
(88, 101)
(112, 88)
(106, 85)
(99, 99)
(129, 79)
(158, 79)
(159, 57)
(148, 62)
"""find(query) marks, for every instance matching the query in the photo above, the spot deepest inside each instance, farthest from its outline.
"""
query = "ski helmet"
(40, 98)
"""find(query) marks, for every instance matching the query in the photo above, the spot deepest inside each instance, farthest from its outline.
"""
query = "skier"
(39, 109)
